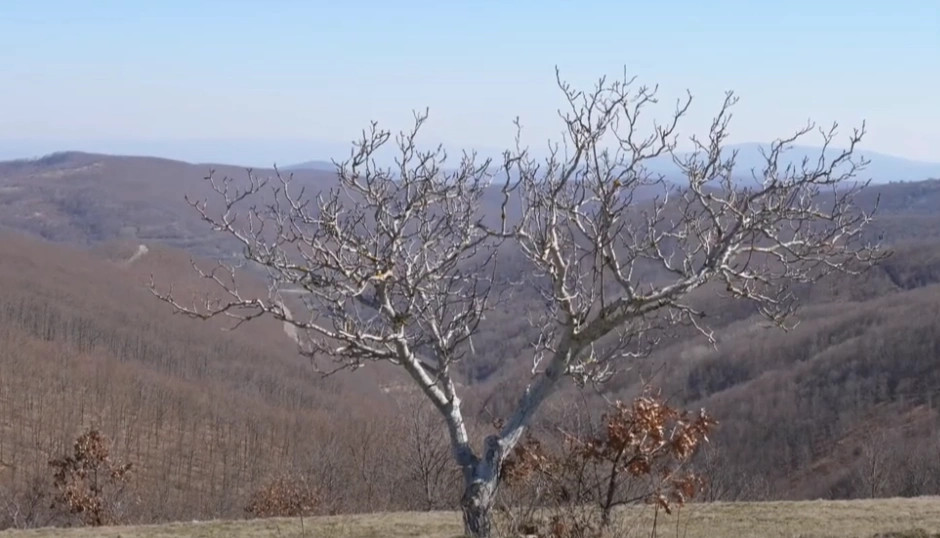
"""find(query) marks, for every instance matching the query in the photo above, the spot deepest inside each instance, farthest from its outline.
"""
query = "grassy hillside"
(884, 518)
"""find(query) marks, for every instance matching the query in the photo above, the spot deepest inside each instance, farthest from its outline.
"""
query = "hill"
(852, 387)
(206, 415)
(882, 167)
(83, 198)
(210, 415)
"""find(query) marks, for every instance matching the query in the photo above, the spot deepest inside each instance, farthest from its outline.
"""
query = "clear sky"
(256, 82)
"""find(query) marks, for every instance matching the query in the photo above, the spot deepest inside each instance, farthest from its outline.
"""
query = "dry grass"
(391, 525)
(894, 518)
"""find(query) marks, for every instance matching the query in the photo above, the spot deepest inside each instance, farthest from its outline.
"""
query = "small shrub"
(88, 483)
(285, 496)
(641, 454)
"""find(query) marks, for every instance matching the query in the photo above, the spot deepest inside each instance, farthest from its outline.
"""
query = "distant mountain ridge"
(882, 168)
(326, 166)
(85, 198)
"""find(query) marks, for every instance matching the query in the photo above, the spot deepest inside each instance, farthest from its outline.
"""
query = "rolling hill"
(83, 198)
(205, 414)
(209, 415)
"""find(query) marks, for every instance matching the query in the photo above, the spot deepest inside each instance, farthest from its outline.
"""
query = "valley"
(209, 414)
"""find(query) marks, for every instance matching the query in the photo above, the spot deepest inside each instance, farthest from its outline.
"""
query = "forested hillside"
(208, 416)
(84, 198)
(846, 403)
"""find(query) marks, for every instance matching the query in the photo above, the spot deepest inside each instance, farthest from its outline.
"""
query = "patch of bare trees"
(426, 458)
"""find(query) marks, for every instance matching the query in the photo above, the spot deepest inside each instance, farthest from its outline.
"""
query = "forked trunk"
(477, 507)
(481, 481)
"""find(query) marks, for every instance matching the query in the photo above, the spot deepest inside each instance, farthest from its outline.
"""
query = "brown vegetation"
(209, 417)
(882, 518)
(88, 483)
(284, 496)
(636, 453)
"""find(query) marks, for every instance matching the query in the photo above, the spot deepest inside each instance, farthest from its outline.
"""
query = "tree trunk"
(481, 480)
(477, 507)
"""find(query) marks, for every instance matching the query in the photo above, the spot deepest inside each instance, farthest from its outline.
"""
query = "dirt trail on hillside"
(142, 250)
(289, 329)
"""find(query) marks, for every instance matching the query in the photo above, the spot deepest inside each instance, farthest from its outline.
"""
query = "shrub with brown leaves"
(285, 496)
(638, 453)
(89, 484)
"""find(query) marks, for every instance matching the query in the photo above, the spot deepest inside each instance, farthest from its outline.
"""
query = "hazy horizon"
(257, 83)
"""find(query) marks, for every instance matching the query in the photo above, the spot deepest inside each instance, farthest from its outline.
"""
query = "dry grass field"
(883, 518)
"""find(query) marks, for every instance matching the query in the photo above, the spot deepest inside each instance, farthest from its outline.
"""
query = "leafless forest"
(843, 406)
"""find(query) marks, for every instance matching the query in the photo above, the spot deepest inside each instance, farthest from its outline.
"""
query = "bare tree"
(875, 468)
(398, 264)
(26, 508)
(427, 456)
(727, 482)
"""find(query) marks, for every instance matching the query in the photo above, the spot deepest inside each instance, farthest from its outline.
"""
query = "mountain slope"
(83, 198)
(882, 168)
(206, 415)
(85, 343)
(803, 409)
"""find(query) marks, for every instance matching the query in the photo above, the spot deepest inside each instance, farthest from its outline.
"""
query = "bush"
(285, 496)
(89, 484)
(641, 454)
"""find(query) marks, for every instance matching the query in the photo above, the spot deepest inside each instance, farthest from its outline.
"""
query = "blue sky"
(286, 80)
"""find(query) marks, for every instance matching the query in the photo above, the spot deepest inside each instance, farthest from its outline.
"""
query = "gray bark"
(481, 476)
(481, 481)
